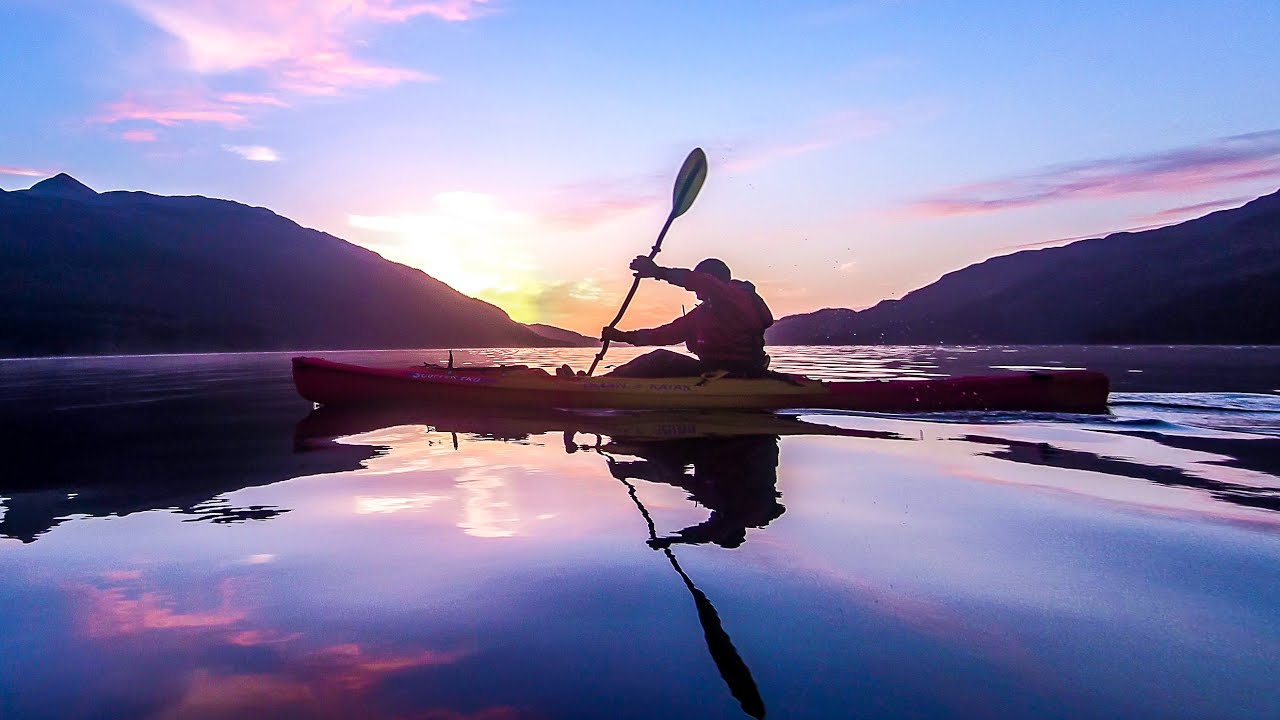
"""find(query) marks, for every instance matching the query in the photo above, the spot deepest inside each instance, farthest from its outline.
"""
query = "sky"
(523, 151)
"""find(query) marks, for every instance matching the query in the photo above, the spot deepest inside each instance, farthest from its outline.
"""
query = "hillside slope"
(127, 272)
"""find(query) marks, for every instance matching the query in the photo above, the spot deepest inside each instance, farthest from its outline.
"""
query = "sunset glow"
(523, 153)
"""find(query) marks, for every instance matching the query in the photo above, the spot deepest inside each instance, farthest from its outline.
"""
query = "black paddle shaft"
(688, 182)
(635, 285)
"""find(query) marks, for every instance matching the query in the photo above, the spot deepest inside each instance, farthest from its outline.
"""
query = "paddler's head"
(715, 268)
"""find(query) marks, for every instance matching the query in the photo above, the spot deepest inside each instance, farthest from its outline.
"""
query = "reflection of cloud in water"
(368, 504)
(487, 511)
(479, 475)
(418, 447)
(116, 611)
(290, 676)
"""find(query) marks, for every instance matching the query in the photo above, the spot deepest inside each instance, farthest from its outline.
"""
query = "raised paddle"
(688, 183)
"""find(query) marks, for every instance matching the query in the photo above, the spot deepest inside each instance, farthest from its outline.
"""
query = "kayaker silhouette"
(734, 477)
(725, 331)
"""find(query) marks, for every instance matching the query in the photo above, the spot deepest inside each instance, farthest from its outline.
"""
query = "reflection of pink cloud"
(175, 112)
(21, 171)
(329, 681)
(122, 575)
(350, 667)
(114, 612)
(494, 713)
(1255, 156)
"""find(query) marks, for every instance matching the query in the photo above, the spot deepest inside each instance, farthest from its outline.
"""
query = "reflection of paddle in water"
(730, 664)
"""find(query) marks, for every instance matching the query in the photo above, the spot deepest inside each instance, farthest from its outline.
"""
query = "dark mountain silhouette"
(1215, 279)
(129, 272)
(568, 337)
(62, 185)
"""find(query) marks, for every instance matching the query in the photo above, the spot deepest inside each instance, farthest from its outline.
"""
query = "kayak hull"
(344, 385)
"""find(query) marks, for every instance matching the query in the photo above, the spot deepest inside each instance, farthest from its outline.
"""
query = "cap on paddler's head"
(715, 268)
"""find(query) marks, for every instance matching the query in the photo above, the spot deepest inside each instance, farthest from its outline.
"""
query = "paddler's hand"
(613, 334)
(645, 267)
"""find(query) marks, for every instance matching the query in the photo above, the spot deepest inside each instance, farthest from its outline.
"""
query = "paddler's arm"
(676, 331)
(708, 285)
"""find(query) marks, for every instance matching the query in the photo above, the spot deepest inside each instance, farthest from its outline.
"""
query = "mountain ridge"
(127, 271)
(1093, 290)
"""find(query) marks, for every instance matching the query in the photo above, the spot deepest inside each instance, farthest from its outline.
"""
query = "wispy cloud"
(252, 99)
(139, 136)
(1255, 156)
(254, 153)
(826, 132)
(271, 52)
(589, 213)
(174, 110)
(1154, 221)
(300, 47)
(1190, 211)
(21, 171)
(1074, 238)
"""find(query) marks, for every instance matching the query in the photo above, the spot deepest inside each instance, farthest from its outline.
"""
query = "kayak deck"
(340, 384)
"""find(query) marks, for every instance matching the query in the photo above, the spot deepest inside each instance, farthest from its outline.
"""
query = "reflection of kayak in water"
(332, 383)
(726, 460)
(640, 426)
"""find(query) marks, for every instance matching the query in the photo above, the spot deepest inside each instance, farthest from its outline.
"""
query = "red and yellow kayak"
(341, 384)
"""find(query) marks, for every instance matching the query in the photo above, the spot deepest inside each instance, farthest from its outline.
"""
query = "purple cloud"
(1254, 156)
(1189, 211)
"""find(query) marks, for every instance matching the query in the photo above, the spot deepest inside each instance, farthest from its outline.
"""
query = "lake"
(184, 537)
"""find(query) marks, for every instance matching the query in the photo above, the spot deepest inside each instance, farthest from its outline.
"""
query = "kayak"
(340, 384)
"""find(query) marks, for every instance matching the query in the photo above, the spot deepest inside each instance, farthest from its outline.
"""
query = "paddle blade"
(692, 174)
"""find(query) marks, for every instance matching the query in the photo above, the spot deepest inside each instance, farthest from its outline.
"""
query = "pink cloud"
(328, 73)
(1090, 236)
(1255, 156)
(139, 136)
(447, 10)
(1154, 221)
(176, 111)
(252, 99)
(591, 213)
(301, 47)
(1189, 211)
(21, 171)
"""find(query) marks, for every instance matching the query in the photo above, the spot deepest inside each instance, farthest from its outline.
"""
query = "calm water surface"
(182, 537)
